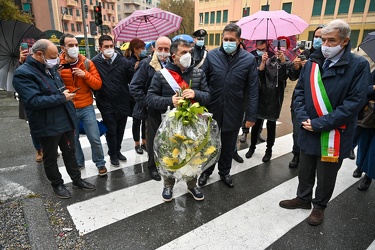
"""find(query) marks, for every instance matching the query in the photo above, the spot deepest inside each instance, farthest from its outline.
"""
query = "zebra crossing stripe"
(11, 190)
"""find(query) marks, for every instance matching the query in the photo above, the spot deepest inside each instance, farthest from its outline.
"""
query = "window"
(212, 17)
(359, 6)
(372, 6)
(287, 7)
(96, 2)
(79, 27)
(365, 33)
(330, 7)
(103, 6)
(71, 11)
(72, 27)
(344, 7)
(26, 7)
(206, 40)
(217, 39)
(113, 8)
(108, 6)
(317, 8)
(206, 17)
(66, 27)
(354, 38)
(200, 18)
(77, 12)
(105, 17)
(92, 15)
(91, 2)
(218, 16)
(225, 16)
(113, 19)
(211, 40)
(109, 18)
(245, 11)
(310, 37)
(265, 7)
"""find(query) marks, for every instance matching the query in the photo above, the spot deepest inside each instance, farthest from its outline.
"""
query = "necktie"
(326, 64)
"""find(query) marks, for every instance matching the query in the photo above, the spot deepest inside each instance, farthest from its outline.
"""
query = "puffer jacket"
(91, 81)
(41, 91)
(159, 95)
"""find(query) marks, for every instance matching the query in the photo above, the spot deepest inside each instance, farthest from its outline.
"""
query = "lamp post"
(64, 11)
(85, 29)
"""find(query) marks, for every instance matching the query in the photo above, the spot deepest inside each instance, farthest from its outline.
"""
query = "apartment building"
(213, 15)
(126, 7)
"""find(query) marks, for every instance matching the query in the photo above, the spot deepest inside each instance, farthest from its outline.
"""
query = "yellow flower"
(175, 153)
(210, 150)
(188, 142)
(181, 137)
(173, 140)
(170, 161)
(196, 161)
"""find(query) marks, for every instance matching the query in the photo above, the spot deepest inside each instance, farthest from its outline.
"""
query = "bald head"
(162, 47)
(44, 49)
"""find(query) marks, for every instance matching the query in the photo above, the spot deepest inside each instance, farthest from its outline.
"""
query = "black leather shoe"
(237, 157)
(227, 179)
(352, 155)
(114, 160)
(62, 192)
(202, 179)
(81, 184)
(138, 149)
(357, 173)
(250, 153)
(143, 146)
(154, 174)
(120, 156)
(260, 138)
(365, 183)
(294, 162)
(267, 156)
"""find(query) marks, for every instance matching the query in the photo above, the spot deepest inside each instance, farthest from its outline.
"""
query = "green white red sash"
(330, 141)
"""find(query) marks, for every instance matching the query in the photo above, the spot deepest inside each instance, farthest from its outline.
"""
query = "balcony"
(135, 2)
(78, 19)
(67, 17)
(108, 23)
(71, 3)
(110, 12)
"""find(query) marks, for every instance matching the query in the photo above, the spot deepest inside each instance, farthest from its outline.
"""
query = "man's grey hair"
(233, 27)
(40, 45)
(162, 37)
(338, 24)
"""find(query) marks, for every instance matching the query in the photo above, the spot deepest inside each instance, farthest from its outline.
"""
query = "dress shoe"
(316, 217)
(237, 157)
(365, 183)
(154, 174)
(295, 203)
(114, 160)
(143, 146)
(243, 137)
(267, 156)
(120, 156)
(62, 192)
(357, 173)
(294, 162)
(352, 155)
(202, 179)
(250, 153)
(39, 155)
(227, 179)
(260, 138)
(138, 149)
(81, 184)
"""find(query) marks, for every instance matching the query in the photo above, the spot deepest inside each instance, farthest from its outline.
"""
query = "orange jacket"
(91, 80)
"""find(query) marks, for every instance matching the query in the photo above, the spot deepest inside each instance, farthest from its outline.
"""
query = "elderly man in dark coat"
(330, 92)
(233, 81)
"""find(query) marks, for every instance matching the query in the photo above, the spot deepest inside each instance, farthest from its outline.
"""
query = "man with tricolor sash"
(330, 92)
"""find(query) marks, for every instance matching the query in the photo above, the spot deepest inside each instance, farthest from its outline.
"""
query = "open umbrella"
(264, 25)
(147, 25)
(368, 45)
(12, 33)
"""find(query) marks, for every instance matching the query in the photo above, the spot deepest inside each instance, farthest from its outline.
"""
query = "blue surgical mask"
(317, 43)
(143, 53)
(259, 52)
(229, 47)
(200, 43)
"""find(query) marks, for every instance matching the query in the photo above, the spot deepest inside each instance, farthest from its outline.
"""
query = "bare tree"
(183, 8)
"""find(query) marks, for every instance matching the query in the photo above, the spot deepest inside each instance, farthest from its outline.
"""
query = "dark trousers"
(228, 143)
(153, 123)
(246, 130)
(296, 128)
(326, 173)
(67, 146)
(271, 133)
(115, 133)
(138, 126)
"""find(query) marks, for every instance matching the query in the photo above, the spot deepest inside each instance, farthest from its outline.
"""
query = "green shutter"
(354, 38)
(344, 6)
(317, 8)
(211, 41)
(359, 6)
(287, 7)
(372, 6)
(218, 16)
(217, 39)
(330, 7)
(212, 20)
(264, 7)
(206, 17)
(311, 36)
(26, 7)
(225, 16)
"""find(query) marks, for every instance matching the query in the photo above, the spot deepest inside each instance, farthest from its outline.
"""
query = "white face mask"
(109, 52)
(50, 63)
(330, 52)
(73, 52)
(163, 56)
(185, 60)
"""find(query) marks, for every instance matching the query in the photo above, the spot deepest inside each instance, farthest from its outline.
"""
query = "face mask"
(109, 52)
(330, 52)
(185, 60)
(317, 43)
(162, 56)
(50, 63)
(259, 52)
(229, 47)
(73, 52)
(200, 43)
(143, 53)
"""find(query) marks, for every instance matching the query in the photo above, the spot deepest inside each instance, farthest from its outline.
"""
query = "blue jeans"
(88, 118)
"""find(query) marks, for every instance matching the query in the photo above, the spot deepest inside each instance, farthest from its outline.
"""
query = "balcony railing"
(67, 17)
(108, 23)
(79, 19)
(71, 3)
(136, 2)
(109, 11)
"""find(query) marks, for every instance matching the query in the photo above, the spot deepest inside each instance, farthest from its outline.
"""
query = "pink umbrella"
(264, 25)
(147, 25)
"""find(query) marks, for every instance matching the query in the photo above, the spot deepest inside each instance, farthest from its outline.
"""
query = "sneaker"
(196, 193)
(62, 192)
(295, 203)
(243, 138)
(39, 155)
(167, 194)
(102, 171)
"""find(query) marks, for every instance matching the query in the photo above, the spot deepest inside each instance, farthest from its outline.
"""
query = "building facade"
(126, 7)
(213, 15)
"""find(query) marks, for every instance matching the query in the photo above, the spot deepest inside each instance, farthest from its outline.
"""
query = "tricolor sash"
(330, 141)
(174, 80)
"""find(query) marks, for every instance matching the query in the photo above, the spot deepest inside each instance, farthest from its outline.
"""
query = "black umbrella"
(368, 45)
(12, 33)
